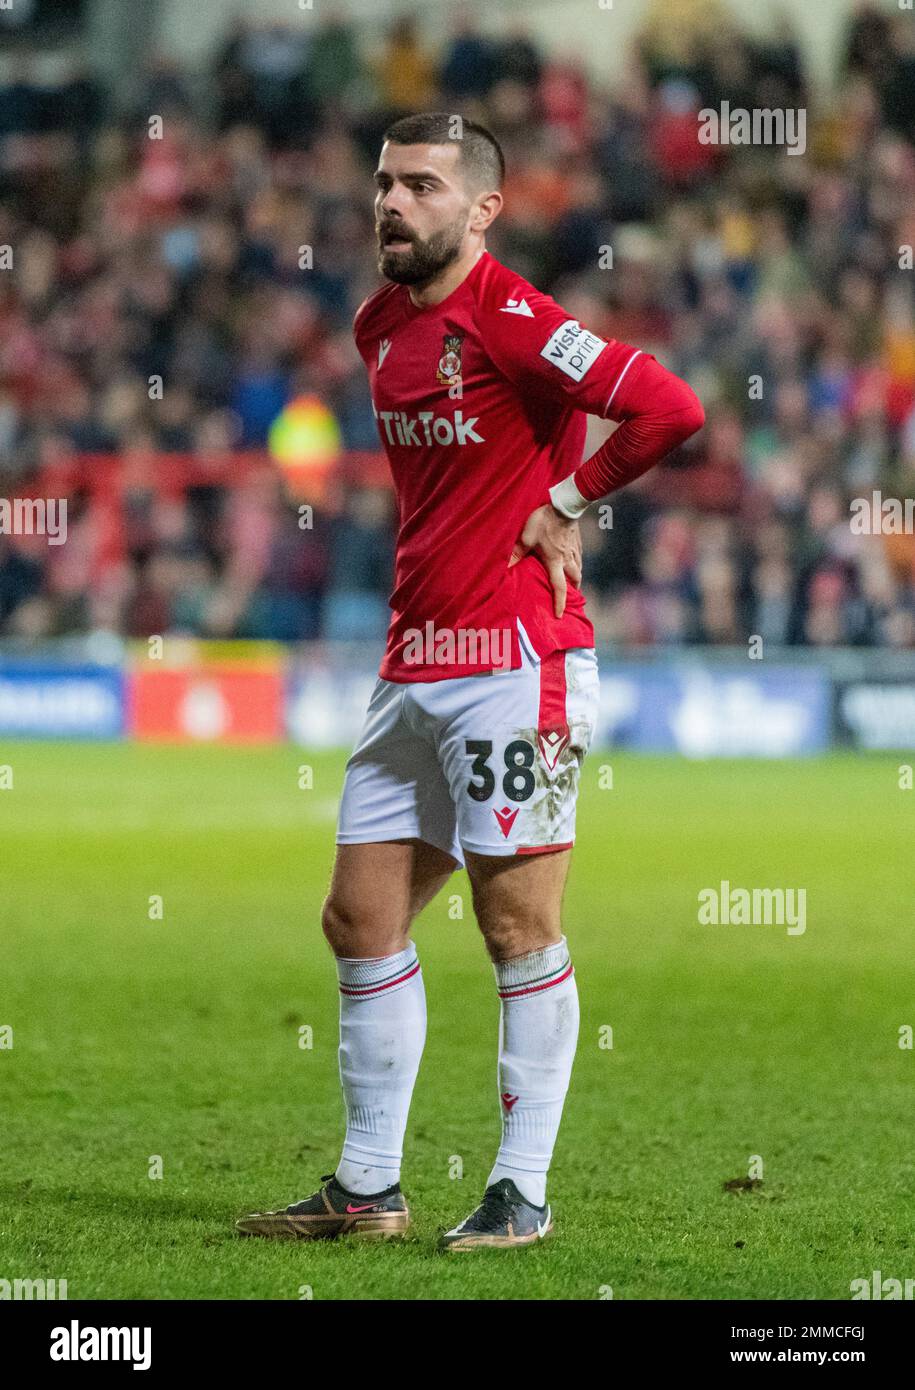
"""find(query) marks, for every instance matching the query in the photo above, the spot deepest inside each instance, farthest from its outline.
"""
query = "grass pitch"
(136, 1038)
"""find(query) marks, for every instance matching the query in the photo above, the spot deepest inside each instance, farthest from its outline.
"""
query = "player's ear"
(485, 211)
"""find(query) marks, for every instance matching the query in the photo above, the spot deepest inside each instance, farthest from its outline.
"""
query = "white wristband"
(566, 498)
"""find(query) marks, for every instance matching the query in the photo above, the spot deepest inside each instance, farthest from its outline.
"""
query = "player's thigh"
(376, 891)
(394, 789)
(517, 900)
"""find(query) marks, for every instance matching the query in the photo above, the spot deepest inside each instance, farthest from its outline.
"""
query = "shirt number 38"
(518, 780)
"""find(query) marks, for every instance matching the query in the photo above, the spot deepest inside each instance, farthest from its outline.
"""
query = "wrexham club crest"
(449, 364)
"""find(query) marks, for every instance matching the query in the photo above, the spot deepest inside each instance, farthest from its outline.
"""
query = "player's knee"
(338, 925)
(515, 932)
(358, 930)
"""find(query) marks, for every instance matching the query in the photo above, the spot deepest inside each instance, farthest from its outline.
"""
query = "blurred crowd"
(777, 284)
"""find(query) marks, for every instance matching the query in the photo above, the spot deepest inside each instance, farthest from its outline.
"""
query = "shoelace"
(492, 1214)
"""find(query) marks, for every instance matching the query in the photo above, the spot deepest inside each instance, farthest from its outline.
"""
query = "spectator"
(162, 314)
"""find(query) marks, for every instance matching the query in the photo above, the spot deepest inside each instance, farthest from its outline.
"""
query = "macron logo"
(384, 347)
(551, 745)
(518, 306)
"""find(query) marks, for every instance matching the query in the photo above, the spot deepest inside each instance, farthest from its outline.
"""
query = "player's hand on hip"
(557, 540)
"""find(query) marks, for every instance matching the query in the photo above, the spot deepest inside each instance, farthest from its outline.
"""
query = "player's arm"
(548, 352)
(657, 411)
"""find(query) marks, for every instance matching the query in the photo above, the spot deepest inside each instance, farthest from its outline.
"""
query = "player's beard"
(425, 259)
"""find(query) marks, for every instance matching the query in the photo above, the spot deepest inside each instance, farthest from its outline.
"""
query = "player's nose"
(390, 207)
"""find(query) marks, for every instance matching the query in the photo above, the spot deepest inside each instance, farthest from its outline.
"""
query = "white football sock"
(382, 1032)
(538, 1031)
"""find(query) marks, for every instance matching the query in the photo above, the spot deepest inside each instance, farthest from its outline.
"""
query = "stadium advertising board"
(697, 711)
(876, 714)
(61, 702)
(704, 713)
(206, 705)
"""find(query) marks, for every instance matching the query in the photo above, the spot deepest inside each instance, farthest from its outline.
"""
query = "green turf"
(179, 1037)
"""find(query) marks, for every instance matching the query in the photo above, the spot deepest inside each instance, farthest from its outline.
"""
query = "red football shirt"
(480, 402)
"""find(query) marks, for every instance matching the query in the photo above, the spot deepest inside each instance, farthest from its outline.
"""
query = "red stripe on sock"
(379, 989)
(535, 989)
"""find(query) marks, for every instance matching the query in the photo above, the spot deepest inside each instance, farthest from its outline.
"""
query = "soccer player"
(488, 690)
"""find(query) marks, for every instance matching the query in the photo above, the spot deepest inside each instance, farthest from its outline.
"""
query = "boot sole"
(392, 1227)
(494, 1242)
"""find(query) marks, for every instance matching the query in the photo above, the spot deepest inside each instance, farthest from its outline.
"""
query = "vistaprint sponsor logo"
(882, 516)
(458, 646)
(28, 1290)
(34, 516)
(427, 428)
(729, 125)
(725, 906)
(76, 1343)
(573, 349)
(880, 1286)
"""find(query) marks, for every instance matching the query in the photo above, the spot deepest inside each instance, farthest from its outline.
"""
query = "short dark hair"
(481, 153)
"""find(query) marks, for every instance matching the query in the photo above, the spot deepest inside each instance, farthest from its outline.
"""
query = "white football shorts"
(486, 763)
